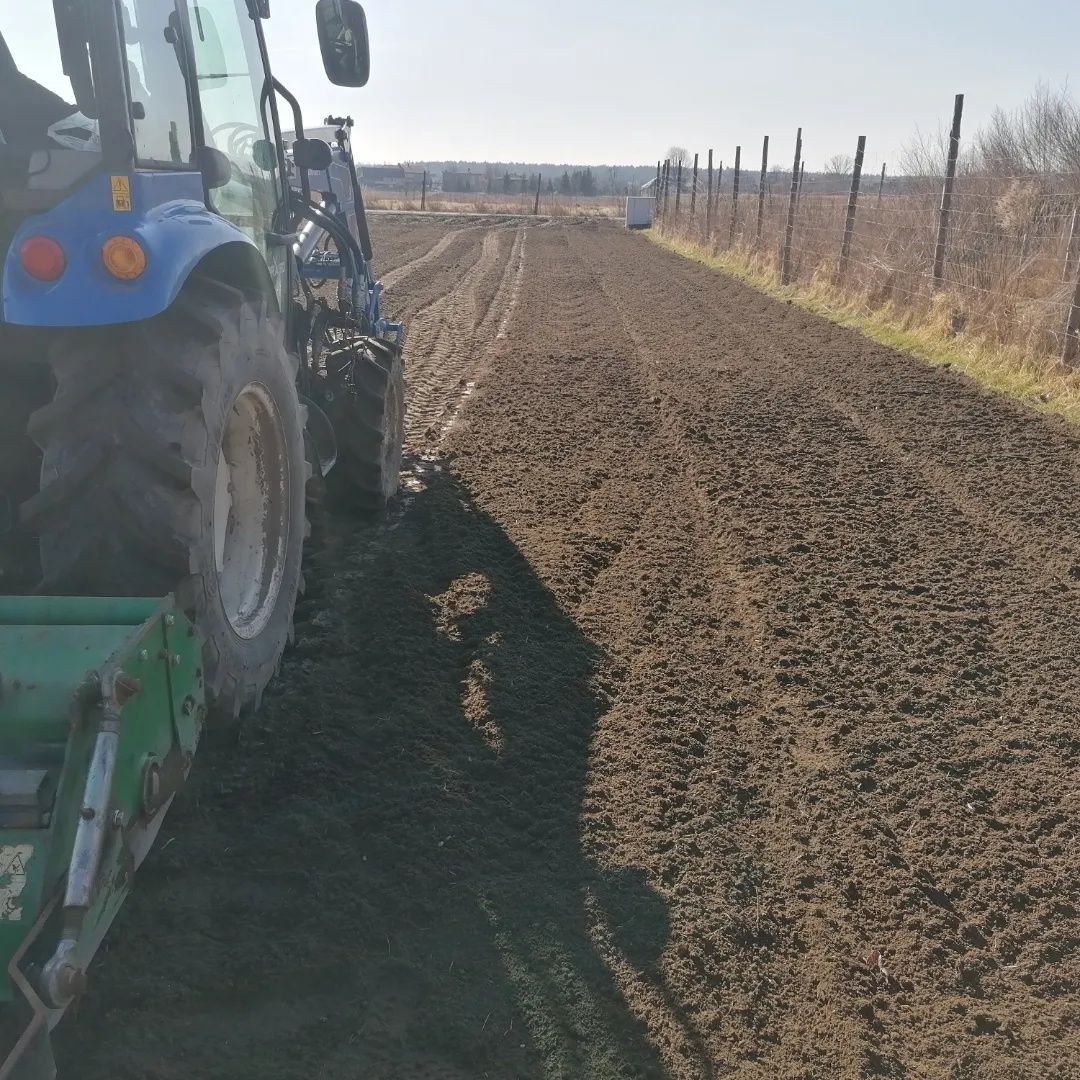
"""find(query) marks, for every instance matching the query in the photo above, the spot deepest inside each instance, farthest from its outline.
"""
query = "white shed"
(639, 212)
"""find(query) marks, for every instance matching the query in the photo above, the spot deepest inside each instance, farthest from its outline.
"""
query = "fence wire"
(1012, 260)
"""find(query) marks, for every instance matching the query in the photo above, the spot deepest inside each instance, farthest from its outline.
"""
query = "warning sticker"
(121, 194)
(14, 860)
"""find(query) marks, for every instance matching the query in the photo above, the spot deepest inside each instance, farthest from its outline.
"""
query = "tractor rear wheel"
(369, 418)
(173, 462)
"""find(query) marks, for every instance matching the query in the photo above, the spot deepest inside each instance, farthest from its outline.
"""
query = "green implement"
(102, 703)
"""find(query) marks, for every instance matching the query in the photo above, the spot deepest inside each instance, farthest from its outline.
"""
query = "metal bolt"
(144, 655)
(177, 660)
(189, 706)
(170, 620)
(126, 688)
(119, 820)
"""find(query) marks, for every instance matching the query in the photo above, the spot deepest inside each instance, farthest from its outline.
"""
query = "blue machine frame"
(348, 264)
(169, 219)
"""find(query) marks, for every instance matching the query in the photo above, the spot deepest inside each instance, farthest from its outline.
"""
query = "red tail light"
(42, 258)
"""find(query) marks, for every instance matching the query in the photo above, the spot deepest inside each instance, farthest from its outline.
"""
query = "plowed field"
(707, 708)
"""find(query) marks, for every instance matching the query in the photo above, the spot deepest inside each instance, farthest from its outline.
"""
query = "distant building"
(480, 183)
(391, 177)
(464, 183)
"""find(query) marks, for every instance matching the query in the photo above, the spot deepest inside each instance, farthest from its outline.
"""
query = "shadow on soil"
(386, 878)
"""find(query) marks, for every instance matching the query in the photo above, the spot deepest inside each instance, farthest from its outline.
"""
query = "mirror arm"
(298, 131)
(298, 116)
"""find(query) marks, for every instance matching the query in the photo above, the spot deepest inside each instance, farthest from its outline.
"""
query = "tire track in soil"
(433, 281)
(395, 277)
(448, 340)
(621, 554)
(398, 243)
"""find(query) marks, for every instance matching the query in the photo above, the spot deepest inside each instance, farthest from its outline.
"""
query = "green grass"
(1038, 381)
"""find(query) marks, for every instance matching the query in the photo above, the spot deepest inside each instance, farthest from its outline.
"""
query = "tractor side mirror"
(264, 155)
(216, 168)
(312, 154)
(343, 38)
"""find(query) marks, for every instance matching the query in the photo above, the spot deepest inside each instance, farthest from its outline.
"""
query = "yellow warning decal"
(121, 194)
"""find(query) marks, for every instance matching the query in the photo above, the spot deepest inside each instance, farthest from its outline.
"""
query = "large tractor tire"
(369, 420)
(173, 462)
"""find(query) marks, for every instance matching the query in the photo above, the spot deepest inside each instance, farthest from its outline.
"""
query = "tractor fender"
(165, 213)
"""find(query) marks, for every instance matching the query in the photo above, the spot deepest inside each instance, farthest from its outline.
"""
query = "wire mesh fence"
(1008, 271)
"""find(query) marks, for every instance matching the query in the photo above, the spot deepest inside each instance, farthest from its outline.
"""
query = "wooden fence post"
(678, 190)
(667, 192)
(947, 194)
(789, 234)
(881, 186)
(664, 200)
(802, 179)
(1071, 350)
(693, 195)
(761, 187)
(852, 206)
(423, 193)
(536, 205)
(1073, 250)
(708, 201)
(735, 195)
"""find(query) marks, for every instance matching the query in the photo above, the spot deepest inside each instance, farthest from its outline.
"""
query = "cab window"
(161, 113)
(230, 81)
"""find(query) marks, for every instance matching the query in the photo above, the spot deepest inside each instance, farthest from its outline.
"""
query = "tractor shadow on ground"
(386, 878)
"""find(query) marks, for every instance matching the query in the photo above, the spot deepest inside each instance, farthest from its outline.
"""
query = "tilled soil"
(706, 709)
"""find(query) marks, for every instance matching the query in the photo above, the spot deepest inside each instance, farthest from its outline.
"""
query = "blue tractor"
(189, 324)
(190, 334)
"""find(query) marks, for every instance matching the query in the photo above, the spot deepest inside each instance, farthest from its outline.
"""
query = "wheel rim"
(251, 511)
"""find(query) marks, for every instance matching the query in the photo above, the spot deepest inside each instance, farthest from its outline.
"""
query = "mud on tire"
(173, 461)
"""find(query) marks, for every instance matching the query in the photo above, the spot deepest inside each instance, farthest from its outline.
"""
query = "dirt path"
(707, 709)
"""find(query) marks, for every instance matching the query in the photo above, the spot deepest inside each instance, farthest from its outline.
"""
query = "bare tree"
(925, 155)
(840, 165)
(678, 155)
(1040, 137)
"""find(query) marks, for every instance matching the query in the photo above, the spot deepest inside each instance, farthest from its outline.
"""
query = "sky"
(594, 82)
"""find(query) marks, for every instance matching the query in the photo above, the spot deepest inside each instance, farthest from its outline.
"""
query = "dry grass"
(929, 330)
(552, 206)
